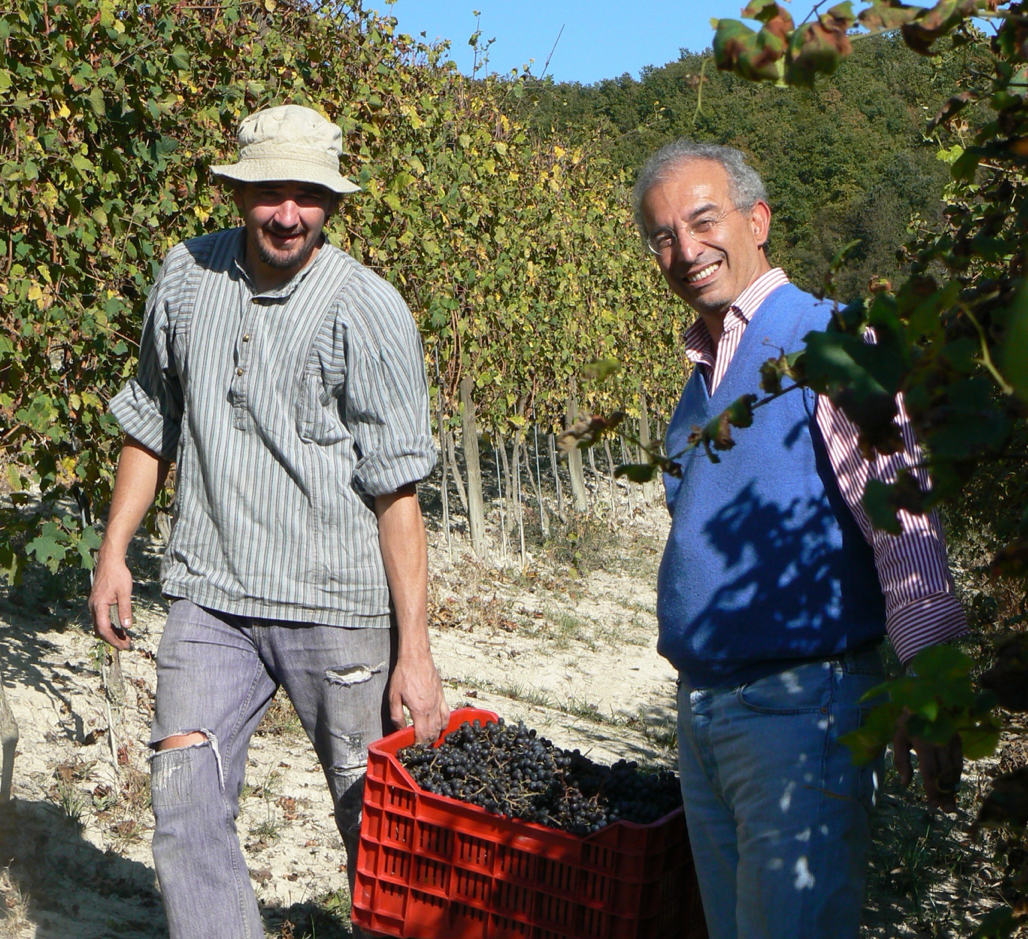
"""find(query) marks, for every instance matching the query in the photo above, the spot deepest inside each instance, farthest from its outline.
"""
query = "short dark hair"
(746, 184)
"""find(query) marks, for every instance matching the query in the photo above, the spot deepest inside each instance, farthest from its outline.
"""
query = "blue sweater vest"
(765, 566)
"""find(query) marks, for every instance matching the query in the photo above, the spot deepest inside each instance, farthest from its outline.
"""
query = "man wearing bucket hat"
(287, 383)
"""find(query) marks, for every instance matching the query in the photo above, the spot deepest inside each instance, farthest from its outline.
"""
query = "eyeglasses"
(663, 240)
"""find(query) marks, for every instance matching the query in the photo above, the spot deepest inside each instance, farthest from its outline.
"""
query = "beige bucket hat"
(289, 144)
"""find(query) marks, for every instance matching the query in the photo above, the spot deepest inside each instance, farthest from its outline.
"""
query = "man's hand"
(941, 766)
(141, 474)
(415, 684)
(112, 587)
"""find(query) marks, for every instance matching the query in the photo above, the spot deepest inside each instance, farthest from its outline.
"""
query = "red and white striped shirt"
(921, 607)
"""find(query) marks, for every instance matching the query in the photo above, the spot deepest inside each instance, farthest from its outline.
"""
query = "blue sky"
(601, 38)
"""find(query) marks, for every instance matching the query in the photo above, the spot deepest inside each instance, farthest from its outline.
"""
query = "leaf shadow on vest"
(786, 572)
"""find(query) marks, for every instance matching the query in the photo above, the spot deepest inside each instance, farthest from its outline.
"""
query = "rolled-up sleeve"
(149, 407)
(387, 403)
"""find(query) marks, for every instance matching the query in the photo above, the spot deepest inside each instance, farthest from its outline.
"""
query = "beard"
(286, 260)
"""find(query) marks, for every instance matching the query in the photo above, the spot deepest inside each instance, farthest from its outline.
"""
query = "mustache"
(277, 229)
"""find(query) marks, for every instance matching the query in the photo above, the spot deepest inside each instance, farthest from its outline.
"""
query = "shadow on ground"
(50, 870)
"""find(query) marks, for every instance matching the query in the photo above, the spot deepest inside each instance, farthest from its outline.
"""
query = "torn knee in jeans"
(172, 753)
(174, 741)
(353, 674)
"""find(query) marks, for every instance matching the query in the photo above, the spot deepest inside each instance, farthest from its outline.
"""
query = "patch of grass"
(519, 692)
(123, 834)
(135, 790)
(583, 544)
(14, 906)
(613, 634)
(337, 903)
(65, 792)
(567, 628)
(586, 711)
(267, 831)
(104, 799)
(664, 735)
(71, 802)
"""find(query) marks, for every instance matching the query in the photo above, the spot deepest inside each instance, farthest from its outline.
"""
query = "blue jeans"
(216, 675)
(778, 815)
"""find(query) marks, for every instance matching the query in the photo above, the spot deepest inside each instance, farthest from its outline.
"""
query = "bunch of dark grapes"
(510, 770)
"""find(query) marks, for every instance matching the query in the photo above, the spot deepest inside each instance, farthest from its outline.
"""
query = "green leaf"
(87, 544)
(96, 102)
(599, 369)
(887, 14)
(980, 742)
(180, 58)
(1013, 350)
(49, 547)
(637, 472)
(879, 507)
(965, 166)
(860, 378)
(10, 564)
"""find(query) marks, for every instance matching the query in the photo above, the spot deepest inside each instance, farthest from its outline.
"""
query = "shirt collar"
(289, 287)
(699, 346)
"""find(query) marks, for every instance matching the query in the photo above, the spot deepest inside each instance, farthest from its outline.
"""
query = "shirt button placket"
(243, 351)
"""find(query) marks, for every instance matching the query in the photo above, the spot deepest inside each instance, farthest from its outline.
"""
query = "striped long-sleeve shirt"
(286, 412)
(921, 606)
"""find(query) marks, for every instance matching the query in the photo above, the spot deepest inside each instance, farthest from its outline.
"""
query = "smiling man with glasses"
(775, 592)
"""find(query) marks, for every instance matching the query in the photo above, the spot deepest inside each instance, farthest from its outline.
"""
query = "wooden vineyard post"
(555, 469)
(624, 456)
(516, 456)
(503, 521)
(9, 743)
(457, 481)
(575, 467)
(649, 489)
(476, 501)
(443, 488)
(594, 470)
(544, 518)
(508, 486)
(610, 475)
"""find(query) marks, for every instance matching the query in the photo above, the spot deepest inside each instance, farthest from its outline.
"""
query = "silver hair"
(746, 185)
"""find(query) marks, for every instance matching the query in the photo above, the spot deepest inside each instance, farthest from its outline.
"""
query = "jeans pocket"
(805, 689)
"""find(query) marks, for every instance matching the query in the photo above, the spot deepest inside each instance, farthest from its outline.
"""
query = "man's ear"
(760, 222)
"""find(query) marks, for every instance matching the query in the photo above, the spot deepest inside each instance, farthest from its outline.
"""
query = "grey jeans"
(217, 674)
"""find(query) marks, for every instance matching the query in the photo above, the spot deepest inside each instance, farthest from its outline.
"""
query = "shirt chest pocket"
(320, 408)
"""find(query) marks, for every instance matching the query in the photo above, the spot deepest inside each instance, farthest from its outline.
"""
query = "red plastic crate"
(431, 867)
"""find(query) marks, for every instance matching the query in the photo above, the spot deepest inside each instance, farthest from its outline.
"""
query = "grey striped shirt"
(286, 412)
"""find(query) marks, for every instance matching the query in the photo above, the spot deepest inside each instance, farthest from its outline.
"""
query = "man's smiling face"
(716, 251)
(284, 222)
